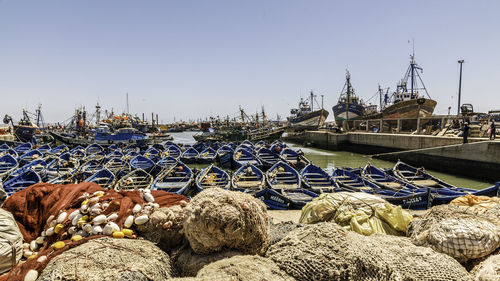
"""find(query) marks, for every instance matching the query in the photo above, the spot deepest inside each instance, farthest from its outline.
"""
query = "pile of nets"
(11, 242)
(188, 263)
(476, 204)
(487, 270)
(55, 218)
(360, 212)
(218, 219)
(110, 259)
(455, 231)
(326, 251)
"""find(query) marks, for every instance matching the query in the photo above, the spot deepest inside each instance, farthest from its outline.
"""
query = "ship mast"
(348, 97)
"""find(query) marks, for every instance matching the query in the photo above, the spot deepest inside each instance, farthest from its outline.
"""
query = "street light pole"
(460, 86)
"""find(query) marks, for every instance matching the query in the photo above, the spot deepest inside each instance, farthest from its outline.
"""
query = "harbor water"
(330, 159)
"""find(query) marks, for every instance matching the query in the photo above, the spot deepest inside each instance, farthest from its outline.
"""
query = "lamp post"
(460, 86)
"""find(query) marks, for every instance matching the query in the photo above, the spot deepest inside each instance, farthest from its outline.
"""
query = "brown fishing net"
(457, 231)
(218, 219)
(33, 206)
(244, 268)
(110, 259)
(487, 270)
(188, 263)
(326, 251)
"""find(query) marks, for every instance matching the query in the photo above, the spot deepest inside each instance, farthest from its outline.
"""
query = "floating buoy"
(27, 253)
(33, 245)
(84, 202)
(41, 259)
(31, 275)
(136, 208)
(73, 215)
(93, 200)
(148, 197)
(98, 193)
(183, 203)
(76, 238)
(84, 209)
(112, 217)
(58, 228)
(129, 221)
(61, 217)
(58, 245)
(76, 218)
(100, 219)
(50, 219)
(141, 219)
(49, 231)
(118, 234)
(96, 230)
(128, 232)
(40, 240)
(72, 230)
(87, 228)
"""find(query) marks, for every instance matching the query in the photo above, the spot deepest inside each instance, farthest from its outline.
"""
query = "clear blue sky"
(192, 59)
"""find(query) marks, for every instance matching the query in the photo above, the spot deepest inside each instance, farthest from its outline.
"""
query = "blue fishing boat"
(176, 179)
(273, 199)
(94, 148)
(87, 169)
(37, 166)
(409, 199)
(11, 152)
(167, 162)
(29, 156)
(317, 179)
(249, 179)
(349, 106)
(114, 154)
(7, 165)
(283, 176)
(23, 148)
(105, 178)
(225, 156)
(4, 147)
(159, 147)
(58, 150)
(243, 156)
(173, 151)
(305, 116)
(212, 176)
(123, 135)
(207, 156)
(199, 146)
(298, 197)
(136, 179)
(21, 181)
(44, 148)
(60, 169)
(290, 155)
(118, 166)
(153, 154)
(146, 164)
(189, 155)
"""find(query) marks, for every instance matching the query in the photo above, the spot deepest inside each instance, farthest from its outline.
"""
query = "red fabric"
(32, 207)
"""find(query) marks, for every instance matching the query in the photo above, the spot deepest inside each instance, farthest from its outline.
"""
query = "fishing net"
(487, 270)
(11, 242)
(38, 208)
(243, 268)
(164, 227)
(326, 251)
(188, 263)
(110, 259)
(218, 219)
(280, 230)
(360, 212)
(454, 231)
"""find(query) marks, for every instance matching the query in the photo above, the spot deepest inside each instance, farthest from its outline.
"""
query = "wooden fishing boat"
(44, 148)
(249, 179)
(153, 154)
(167, 162)
(212, 176)
(173, 151)
(87, 169)
(207, 156)
(58, 150)
(290, 155)
(267, 157)
(418, 176)
(384, 180)
(243, 156)
(78, 153)
(105, 178)
(176, 179)
(60, 169)
(137, 179)
(419, 199)
(114, 154)
(94, 148)
(298, 197)
(225, 156)
(4, 147)
(283, 176)
(146, 164)
(189, 155)
(273, 199)
(21, 181)
(29, 156)
(118, 166)
(23, 148)
(317, 179)
(7, 165)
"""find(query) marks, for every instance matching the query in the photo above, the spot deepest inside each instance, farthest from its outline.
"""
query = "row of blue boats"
(277, 174)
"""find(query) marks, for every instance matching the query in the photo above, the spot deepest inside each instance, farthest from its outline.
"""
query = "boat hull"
(313, 119)
(355, 111)
(410, 109)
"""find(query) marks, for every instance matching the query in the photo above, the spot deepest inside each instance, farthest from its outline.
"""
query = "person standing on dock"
(466, 132)
(492, 130)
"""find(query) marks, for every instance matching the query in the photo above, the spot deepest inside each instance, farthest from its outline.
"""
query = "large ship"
(406, 101)
(305, 116)
(349, 107)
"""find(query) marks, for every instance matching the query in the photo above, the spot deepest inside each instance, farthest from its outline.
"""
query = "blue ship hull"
(355, 111)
